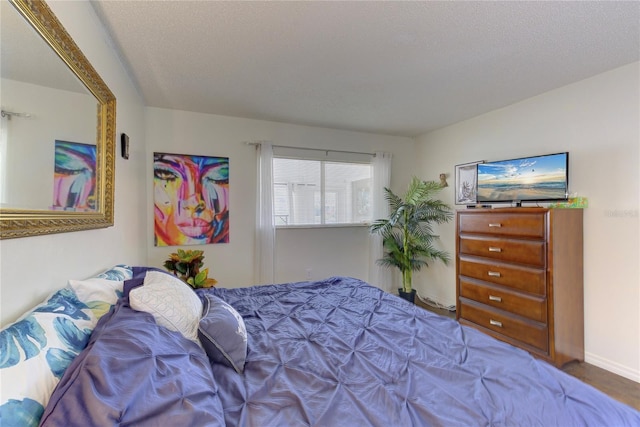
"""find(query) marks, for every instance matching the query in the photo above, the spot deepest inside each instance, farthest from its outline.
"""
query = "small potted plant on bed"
(407, 234)
(186, 266)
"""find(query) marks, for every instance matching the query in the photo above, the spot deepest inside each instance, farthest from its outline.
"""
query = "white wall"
(324, 251)
(55, 115)
(31, 268)
(319, 253)
(597, 121)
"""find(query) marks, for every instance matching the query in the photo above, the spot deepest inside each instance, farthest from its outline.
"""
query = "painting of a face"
(74, 176)
(191, 199)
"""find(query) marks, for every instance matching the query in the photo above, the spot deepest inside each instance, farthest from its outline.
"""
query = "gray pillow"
(222, 333)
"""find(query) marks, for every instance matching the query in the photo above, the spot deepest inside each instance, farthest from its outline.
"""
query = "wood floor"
(619, 388)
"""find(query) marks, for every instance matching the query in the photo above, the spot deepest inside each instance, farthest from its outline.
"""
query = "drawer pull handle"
(498, 225)
(494, 273)
(495, 323)
(495, 298)
(494, 249)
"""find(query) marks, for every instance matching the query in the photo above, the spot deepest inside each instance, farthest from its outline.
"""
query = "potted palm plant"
(407, 234)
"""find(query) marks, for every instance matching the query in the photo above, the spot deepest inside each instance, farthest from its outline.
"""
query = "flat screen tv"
(527, 179)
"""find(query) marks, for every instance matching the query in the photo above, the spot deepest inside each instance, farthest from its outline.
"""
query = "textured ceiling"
(399, 68)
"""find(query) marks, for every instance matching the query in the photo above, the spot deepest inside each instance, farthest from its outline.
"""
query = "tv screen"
(534, 179)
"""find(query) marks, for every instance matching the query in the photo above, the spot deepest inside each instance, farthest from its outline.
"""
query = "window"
(315, 192)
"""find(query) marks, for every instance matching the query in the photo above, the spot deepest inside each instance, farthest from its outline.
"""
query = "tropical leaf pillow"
(99, 295)
(36, 349)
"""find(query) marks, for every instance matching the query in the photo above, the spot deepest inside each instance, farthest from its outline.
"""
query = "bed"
(335, 352)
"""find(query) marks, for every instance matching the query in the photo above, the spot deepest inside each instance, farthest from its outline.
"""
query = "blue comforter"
(332, 353)
(136, 373)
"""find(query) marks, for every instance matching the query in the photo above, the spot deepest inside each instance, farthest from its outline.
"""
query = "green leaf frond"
(392, 199)
(412, 217)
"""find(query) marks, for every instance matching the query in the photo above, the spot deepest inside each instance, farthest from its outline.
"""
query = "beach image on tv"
(531, 178)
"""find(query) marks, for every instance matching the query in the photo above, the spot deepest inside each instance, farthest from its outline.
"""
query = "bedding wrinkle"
(336, 352)
(136, 373)
(337, 349)
(359, 411)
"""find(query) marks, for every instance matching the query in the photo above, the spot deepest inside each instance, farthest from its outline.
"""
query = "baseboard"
(434, 303)
(616, 368)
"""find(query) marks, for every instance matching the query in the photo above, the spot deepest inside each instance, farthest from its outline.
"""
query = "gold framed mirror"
(95, 177)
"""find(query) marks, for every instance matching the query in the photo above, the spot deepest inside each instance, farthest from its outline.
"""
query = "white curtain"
(379, 276)
(265, 227)
(4, 129)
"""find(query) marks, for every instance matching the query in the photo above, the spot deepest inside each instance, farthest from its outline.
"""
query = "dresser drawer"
(534, 308)
(507, 224)
(528, 332)
(526, 279)
(520, 251)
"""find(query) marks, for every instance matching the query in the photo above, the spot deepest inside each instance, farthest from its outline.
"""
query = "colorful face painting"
(191, 198)
(74, 177)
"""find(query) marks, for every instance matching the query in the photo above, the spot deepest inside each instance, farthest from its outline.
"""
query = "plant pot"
(409, 296)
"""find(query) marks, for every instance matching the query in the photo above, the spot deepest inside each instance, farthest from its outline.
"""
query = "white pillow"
(170, 301)
(98, 294)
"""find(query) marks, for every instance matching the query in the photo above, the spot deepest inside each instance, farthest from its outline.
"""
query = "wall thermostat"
(124, 145)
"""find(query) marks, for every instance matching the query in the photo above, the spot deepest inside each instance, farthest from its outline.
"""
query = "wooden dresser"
(520, 276)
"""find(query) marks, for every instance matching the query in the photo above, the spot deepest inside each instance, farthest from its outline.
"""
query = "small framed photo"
(467, 183)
